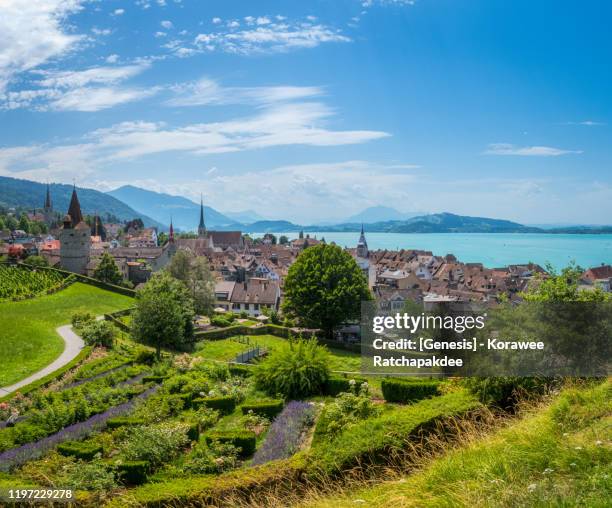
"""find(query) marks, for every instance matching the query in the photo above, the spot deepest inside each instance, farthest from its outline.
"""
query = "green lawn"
(28, 340)
(227, 349)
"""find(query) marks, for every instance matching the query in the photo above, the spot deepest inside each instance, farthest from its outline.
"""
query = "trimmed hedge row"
(225, 405)
(80, 450)
(243, 439)
(269, 409)
(133, 472)
(224, 333)
(336, 384)
(407, 390)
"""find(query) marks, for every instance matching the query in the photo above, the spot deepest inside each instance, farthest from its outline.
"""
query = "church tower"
(362, 245)
(48, 208)
(75, 239)
(201, 226)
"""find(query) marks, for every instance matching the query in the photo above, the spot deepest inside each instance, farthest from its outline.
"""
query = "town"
(249, 273)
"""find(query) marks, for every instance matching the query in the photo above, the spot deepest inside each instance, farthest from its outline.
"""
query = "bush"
(336, 384)
(240, 370)
(244, 315)
(156, 444)
(269, 409)
(219, 321)
(133, 472)
(153, 379)
(92, 476)
(145, 356)
(295, 371)
(98, 333)
(84, 451)
(225, 405)
(81, 319)
(243, 439)
(123, 421)
(406, 390)
(505, 392)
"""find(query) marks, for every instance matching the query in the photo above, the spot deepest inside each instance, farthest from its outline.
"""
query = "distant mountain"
(435, 223)
(184, 212)
(380, 214)
(15, 192)
(271, 226)
(245, 217)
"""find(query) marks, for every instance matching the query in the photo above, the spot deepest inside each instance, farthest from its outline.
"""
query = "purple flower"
(286, 432)
(17, 456)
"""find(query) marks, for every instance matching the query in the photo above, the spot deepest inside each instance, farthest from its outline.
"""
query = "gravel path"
(73, 345)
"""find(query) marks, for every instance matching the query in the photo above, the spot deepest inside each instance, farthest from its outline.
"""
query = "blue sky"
(314, 110)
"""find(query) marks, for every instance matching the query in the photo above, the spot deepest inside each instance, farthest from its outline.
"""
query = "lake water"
(492, 250)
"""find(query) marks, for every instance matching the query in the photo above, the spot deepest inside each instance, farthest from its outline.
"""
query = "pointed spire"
(201, 226)
(74, 210)
(362, 228)
(48, 204)
(171, 233)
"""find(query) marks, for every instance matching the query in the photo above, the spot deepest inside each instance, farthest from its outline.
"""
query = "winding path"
(73, 345)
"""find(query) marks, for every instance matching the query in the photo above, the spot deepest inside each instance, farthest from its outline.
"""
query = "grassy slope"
(559, 456)
(28, 340)
(227, 349)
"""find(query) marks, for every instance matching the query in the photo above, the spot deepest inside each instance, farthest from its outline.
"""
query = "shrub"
(210, 459)
(98, 333)
(295, 371)
(186, 398)
(153, 379)
(505, 391)
(225, 405)
(145, 356)
(269, 409)
(243, 439)
(336, 384)
(84, 451)
(206, 417)
(219, 321)
(244, 315)
(81, 319)
(123, 421)
(240, 370)
(155, 444)
(93, 476)
(133, 472)
(406, 390)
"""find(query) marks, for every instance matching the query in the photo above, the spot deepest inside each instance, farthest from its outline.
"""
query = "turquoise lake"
(491, 250)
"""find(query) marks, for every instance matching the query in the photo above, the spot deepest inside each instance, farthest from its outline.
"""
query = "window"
(235, 306)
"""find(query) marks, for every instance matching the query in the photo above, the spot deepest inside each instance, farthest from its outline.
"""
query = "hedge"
(230, 331)
(239, 370)
(193, 432)
(243, 439)
(49, 378)
(269, 409)
(133, 473)
(225, 405)
(80, 450)
(336, 384)
(153, 379)
(123, 421)
(406, 390)
(186, 398)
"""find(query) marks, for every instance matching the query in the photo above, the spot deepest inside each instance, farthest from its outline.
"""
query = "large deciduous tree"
(194, 272)
(163, 317)
(324, 288)
(107, 271)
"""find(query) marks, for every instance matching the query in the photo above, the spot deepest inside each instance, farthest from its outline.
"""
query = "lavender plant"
(286, 432)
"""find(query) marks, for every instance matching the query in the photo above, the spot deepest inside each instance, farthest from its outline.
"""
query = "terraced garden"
(29, 340)
(17, 283)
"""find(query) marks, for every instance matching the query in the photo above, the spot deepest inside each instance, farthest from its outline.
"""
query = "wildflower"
(573, 464)
(532, 487)
(578, 448)
(548, 470)
(598, 443)
(352, 382)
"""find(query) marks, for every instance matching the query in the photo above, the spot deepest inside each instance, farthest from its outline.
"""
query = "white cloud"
(371, 3)
(533, 151)
(118, 12)
(101, 31)
(160, 34)
(91, 89)
(216, 21)
(166, 24)
(208, 92)
(32, 33)
(265, 36)
(587, 123)
(114, 58)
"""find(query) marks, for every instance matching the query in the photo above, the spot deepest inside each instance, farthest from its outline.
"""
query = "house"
(253, 295)
(597, 273)
(223, 294)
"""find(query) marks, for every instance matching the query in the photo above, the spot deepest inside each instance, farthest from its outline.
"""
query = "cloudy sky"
(314, 110)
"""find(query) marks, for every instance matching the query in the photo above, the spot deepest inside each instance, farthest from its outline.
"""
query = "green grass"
(558, 456)
(227, 349)
(29, 341)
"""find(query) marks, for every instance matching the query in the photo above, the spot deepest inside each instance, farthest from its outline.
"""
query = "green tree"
(37, 261)
(2, 224)
(107, 271)
(194, 272)
(324, 288)
(163, 316)
(24, 223)
(11, 223)
(283, 240)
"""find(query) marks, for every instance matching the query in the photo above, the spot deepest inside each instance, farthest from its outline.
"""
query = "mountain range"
(15, 192)
(156, 209)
